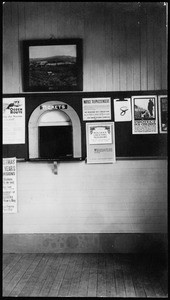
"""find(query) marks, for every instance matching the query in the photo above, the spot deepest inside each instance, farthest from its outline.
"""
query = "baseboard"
(85, 243)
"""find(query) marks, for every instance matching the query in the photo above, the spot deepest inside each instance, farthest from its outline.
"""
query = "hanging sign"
(122, 110)
(163, 113)
(100, 141)
(9, 185)
(13, 120)
(96, 109)
(144, 115)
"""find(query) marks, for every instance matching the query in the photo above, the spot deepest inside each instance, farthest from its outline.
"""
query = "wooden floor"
(83, 275)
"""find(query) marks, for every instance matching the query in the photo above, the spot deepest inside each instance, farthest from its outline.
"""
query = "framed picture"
(144, 115)
(52, 65)
(163, 113)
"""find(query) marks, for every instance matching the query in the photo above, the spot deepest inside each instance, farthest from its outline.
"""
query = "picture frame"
(144, 114)
(52, 65)
(163, 113)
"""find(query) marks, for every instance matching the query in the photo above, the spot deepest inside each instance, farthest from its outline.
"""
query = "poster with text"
(13, 120)
(96, 109)
(163, 113)
(100, 141)
(122, 110)
(9, 185)
(144, 115)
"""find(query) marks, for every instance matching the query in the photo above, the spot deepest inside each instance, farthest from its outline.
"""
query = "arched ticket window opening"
(54, 133)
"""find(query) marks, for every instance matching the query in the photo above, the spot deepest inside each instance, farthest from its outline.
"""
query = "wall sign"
(13, 120)
(122, 110)
(163, 113)
(144, 115)
(100, 141)
(9, 185)
(96, 109)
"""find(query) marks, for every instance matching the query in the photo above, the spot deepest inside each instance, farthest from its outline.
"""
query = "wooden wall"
(123, 49)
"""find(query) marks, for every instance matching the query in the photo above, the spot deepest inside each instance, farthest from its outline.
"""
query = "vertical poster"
(96, 109)
(9, 185)
(13, 120)
(122, 110)
(100, 141)
(163, 113)
(144, 115)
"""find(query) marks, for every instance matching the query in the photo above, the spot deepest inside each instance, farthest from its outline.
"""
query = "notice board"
(127, 145)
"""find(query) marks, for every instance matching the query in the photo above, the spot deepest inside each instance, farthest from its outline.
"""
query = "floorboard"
(83, 275)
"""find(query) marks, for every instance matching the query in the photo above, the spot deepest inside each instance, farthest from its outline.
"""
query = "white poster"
(9, 185)
(144, 115)
(163, 113)
(100, 134)
(96, 109)
(100, 141)
(14, 120)
(122, 110)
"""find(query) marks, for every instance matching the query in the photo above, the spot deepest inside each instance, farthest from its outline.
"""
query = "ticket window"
(55, 135)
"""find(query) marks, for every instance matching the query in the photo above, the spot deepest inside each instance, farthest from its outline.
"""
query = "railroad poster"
(144, 115)
(96, 109)
(9, 185)
(100, 138)
(13, 120)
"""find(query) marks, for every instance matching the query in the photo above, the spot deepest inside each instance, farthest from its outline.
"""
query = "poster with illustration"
(13, 120)
(122, 110)
(163, 113)
(100, 141)
(9, 185)
(144, 115)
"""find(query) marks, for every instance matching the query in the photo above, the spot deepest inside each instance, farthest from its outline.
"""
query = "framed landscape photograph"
(52, 65)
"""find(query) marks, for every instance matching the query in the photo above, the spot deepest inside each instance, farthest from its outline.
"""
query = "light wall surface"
(124, 48)
(124, 197)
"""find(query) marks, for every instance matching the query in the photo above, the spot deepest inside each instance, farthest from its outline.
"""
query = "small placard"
(9, 185)
(96, 109)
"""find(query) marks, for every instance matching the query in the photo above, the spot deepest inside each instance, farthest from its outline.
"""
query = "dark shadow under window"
(55, 142)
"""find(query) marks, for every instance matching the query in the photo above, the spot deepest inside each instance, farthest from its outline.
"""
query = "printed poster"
(144, 115)
(96, 109)
(13, 120)
(122, 110)
(9, 185)
(100, 141)
(163, 113)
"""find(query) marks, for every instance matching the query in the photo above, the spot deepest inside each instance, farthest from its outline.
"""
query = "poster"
(9, 185)
(163, 113)
(144, 115)
(100, 134)
(13, 120)
(100, 141)
(122, 110)
(96, 109)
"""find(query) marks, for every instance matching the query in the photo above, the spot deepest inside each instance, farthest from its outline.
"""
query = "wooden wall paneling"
(22, 36)
(87, 46)
(7, 58)
(108, 47)
(123, 51)
(116, 52)
(164, 52)
(136, 57)
(47, 20)
(143, 54)
(15, 46)
(130, 51)
(150, 50)
(76, 15)
(99, 55)
(157, 51)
